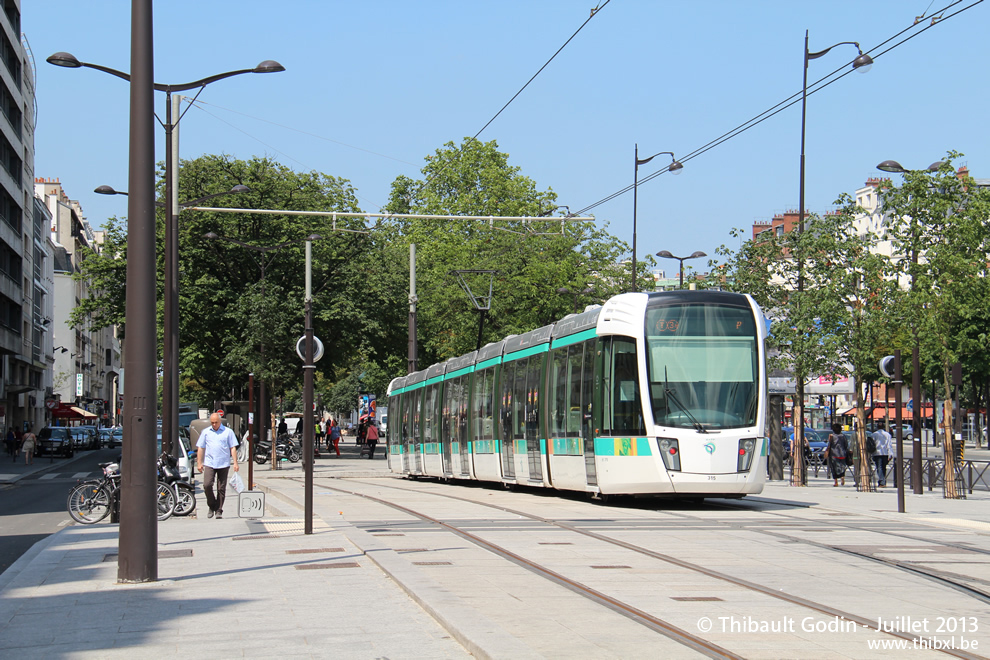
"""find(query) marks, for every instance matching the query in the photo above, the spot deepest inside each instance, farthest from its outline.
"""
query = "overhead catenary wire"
(815, 87)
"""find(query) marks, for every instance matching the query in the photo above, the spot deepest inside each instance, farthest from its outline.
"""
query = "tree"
(531, 259)
(938, 223)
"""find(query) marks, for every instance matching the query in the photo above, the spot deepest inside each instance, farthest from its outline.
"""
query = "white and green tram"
(649, 394)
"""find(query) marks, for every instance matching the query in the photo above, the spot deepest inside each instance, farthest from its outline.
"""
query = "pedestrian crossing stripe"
(48, 476)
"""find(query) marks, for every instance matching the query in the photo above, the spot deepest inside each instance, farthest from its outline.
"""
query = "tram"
(660, 394)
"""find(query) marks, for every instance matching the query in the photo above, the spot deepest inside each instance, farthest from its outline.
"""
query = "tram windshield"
(703, 363)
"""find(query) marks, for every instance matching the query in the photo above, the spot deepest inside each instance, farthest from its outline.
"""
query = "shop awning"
(71, 412)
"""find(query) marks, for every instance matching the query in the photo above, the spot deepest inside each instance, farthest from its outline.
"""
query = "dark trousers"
(215, 502)
(371, 448)
(880, 460)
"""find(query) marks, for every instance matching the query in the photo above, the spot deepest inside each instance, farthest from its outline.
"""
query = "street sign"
(910, 405)
(251, 504)
(220, 411)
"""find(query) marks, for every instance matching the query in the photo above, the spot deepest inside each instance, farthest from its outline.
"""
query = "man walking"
(216, 451)
(882, 455)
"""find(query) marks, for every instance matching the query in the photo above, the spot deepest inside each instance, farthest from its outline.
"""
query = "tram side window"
(567, 378)
(415, 405)
(587, 385)
(534, 377)
(445, 427)
(482, 404)
(623, 411)
(461, 410)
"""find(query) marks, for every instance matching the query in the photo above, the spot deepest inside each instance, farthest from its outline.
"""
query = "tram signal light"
(887, 366)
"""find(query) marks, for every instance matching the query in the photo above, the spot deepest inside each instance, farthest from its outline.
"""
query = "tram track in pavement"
(644, 618)
(947, 578)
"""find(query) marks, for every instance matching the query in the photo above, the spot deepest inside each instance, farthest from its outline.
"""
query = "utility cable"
(815, 87)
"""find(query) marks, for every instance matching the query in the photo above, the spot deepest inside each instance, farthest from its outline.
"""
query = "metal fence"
(970, 475)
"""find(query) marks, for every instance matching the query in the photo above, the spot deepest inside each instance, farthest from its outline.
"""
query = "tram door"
(460, 423)
(413, 439)
(446, 428)
(507, 419)
(533, 385)
(582, 359)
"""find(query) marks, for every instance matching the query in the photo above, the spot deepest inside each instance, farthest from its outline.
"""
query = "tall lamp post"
(170, 366)
(862, 64)
(170, 349)
(697, 254)
(916, 460)
(674, 168)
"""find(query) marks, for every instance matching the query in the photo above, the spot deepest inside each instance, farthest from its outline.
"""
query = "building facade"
(25, 288)
(85, 361)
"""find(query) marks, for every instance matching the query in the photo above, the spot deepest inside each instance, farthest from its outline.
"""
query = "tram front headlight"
(671, 454)
(747, 448)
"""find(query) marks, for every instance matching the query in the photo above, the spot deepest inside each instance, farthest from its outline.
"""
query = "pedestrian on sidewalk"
(216, 451)
(28, 445)
(371, 437)
(10, 442)
(333, 436)
(837, 450)
(881, 456)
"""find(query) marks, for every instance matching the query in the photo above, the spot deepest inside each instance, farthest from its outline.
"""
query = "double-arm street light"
(170, 350)
(916, 461)
(862, 64)
(674, 168)
(694, 255)
(170, 366)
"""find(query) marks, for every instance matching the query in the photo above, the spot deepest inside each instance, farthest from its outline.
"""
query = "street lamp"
(170, 366)
(170, 350)
(674, 168)
(862, 64)
(916, 471)
(564, 291)
(694, 255)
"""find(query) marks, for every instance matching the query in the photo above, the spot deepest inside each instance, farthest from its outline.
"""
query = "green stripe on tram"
(575, 338)
(623, 447)
(487, 363)
(526, 352)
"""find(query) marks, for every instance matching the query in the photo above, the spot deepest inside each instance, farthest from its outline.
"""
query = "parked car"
(54, 440)
(186, 463)
(116, 437)
(83, 438)
(817, 441)
(103, 437)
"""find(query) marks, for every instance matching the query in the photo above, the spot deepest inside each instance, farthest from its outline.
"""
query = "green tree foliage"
(938, 224)
(105, 271)
(532, 259)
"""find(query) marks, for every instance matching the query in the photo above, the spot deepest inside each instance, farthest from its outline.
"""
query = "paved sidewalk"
(226, 588)
(260, 588)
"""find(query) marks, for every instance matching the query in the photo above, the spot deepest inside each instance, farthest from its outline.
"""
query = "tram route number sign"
(251, 504)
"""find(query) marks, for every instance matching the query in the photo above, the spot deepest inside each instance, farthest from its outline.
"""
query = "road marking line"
(51, 475)
(80, 475)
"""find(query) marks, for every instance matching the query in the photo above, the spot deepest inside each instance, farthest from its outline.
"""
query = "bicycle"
(91, 501)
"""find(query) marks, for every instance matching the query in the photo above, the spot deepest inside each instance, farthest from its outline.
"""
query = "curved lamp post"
(694, 255)
(916, 472)
(564, 291)
(170, 366)
(862, 64)
(674, 168)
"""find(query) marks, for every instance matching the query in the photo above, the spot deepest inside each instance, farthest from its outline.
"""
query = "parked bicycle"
(91, 501)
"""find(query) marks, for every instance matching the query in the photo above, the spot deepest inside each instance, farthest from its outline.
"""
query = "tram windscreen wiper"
(671, 396)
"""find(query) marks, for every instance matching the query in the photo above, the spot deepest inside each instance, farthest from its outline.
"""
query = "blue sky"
(371, 88)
